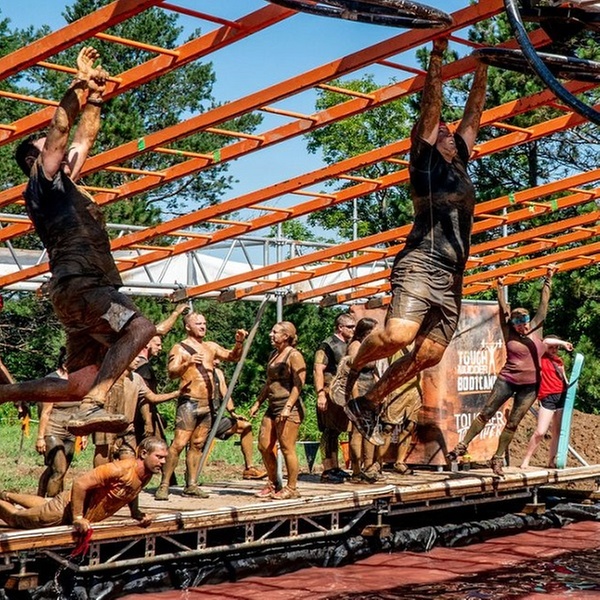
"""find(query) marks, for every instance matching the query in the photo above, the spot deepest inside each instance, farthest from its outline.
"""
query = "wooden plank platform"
(233, 504)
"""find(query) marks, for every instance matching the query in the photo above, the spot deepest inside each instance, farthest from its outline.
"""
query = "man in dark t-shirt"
(426, 278)
(104, 329)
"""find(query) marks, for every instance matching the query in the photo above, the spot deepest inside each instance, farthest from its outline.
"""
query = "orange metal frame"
(568, 242)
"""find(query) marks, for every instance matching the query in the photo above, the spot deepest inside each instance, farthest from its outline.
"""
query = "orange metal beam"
(68, 36)
(163, 64)
(577, 224)
(319, 175)
(486, 217)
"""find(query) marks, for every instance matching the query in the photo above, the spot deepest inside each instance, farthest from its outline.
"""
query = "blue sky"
(298, 44)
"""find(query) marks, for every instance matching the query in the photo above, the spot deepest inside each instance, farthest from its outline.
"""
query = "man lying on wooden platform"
(95, 496)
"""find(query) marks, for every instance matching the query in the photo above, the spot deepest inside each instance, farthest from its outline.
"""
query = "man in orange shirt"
(95, 496)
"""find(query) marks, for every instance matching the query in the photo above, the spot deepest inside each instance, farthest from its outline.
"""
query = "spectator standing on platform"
(53, 440)
(519, 378)
(235, 424)
(126, 397)
(192, 361)
(105, 331)
(552, 393)
(361, 450)
(148, 421)
(331, 418)
(94, 496)
(286, 374)
(426, 278)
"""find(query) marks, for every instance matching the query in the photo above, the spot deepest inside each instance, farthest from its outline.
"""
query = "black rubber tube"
(395, 13)
(514, 18)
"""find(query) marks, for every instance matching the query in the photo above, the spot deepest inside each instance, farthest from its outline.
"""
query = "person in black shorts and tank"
(426, 278)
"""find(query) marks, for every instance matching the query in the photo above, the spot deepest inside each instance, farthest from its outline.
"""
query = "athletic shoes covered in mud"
(92, 417)
(162, 493)
(497, 464)
(194, 491)
(366, 419)
(459, 450)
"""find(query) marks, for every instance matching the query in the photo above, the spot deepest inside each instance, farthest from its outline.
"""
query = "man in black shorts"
(104, 329)
(426, 278)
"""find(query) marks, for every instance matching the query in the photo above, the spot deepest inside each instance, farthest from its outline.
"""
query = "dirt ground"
(585, 440)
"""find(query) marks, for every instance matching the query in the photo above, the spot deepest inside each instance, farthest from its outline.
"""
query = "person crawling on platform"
(95, 496)
(105, 331)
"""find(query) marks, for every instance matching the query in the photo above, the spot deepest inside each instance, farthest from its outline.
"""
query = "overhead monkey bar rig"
(395, 13)
(549, 67)
(301, 195)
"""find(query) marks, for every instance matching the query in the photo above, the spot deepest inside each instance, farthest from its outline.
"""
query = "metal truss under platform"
(234, 522)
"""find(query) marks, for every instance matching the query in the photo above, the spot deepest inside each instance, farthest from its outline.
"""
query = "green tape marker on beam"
(511, 198)
(217, 155)
(141, 144)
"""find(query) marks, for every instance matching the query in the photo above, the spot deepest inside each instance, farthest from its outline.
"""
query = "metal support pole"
(233, 382)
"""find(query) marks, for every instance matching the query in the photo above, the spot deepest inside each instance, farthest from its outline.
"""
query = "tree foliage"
(380, 210)
(574, 309)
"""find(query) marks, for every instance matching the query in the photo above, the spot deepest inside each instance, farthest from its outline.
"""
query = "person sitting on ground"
(53, 441)
(129, 393)
(235, 424)
(286, 374)
(552, 394)
(192, 361)
(105, 331)
(95, 496)
(519, 378)
(426, 278)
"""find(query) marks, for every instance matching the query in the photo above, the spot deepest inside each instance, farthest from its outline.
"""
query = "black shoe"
(330, 476)
(360, 411)
(340, 473)
(93, 417)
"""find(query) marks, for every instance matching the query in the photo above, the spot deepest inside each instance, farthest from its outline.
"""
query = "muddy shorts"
(332, 418)
(402, 407)
(426, 294)
(553, 401)
(55, 444)
(93, 316)
(226, 428)
(276, 406)
(190, 415)
(124, 446)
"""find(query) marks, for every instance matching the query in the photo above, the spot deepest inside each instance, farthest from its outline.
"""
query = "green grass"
(21, 466)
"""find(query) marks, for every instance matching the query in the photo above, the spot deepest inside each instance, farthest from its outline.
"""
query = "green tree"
(381, 210)
(574, 309)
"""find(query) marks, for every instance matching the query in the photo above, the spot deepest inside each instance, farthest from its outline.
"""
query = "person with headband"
(427, 274)
(286, 374)
(519, 378)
